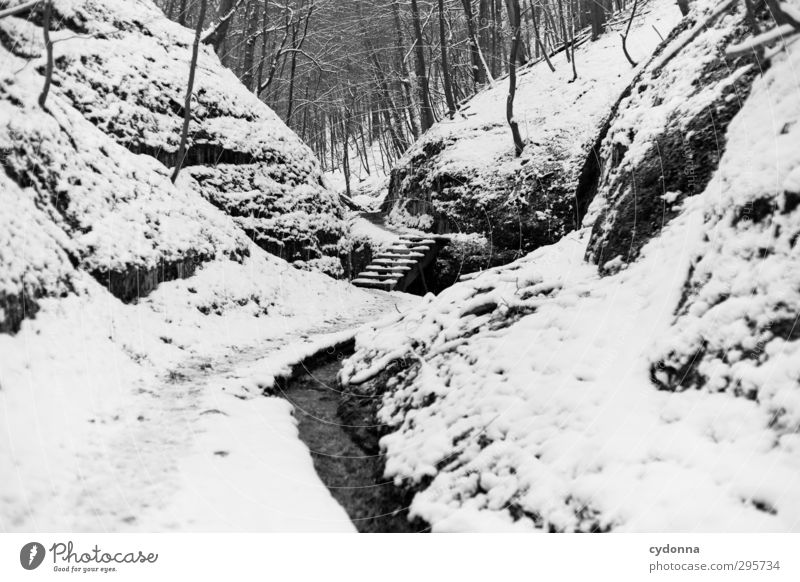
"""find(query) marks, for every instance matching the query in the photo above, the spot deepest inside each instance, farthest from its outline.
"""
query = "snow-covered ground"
(553, 113)
(466, 171)
(528, 396)
(151, 416)
(535, 396)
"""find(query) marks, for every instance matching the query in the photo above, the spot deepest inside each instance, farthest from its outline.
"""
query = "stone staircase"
(401, 264)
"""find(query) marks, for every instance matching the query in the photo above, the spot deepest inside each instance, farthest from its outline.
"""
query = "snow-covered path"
(124, 425)
(211, 453)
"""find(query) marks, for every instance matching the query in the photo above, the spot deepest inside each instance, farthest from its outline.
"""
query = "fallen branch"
(692, 34)
(19, 10)
(756, 42)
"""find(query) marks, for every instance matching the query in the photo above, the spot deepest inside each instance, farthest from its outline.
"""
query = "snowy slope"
(670, 133)
(660, 397)
(463, 172)
(112, 213)
(124, 66)
(133, 400)
(151, 416)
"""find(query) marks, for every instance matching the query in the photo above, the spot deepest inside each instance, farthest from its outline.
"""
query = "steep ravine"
(352, 475)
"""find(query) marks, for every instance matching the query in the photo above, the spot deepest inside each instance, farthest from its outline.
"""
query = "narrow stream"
(353, 476)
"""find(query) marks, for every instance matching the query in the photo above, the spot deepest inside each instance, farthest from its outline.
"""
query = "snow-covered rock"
(124, 67)
(118, 215)
(462, 175)
(663, 396)
(669, 134)
(93, 169)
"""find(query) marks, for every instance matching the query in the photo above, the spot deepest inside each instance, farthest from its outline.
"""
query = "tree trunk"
(251, 24)
(221, 34)
(598, 19)
(182, 13)
(539, 43)
(448, 83)
(48, 44)
(263, 56)
(187, 106)
(478, 75)
(426, 108)
(404, 72)
(514, 20)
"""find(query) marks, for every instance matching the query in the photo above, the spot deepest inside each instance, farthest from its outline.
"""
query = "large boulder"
(670, 132)
(92, 169)
(124, 68)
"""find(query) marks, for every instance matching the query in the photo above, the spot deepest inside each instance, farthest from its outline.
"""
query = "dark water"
(352, 475)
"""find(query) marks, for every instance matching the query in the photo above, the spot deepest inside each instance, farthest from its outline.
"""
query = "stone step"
(384, 268)
(414, 239)
(370, 284)
(394, 261)
(379, 276)
(408, 255)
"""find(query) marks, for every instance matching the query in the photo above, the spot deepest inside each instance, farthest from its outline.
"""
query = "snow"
(528, 402)
(362, 227)
(31, 248)
(530, 398)
(150, 417)
(744, 292)
(123, 67)
(117, 209)
(558, 119)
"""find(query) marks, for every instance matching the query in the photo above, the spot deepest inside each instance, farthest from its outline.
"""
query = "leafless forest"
(367, 78)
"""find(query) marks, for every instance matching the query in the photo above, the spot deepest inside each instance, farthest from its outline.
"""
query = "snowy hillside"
(139, 324)
(661, 394)
(462, 175)
(123, 66)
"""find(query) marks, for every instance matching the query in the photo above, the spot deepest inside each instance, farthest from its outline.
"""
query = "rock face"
(462, 176)
(737, 325)
(670, 133)
(94, 166)
(550, 394)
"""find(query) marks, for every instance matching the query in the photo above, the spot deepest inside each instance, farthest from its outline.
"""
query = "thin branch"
(625, 36)
(48, 74)
(208, 36)
(187, 107)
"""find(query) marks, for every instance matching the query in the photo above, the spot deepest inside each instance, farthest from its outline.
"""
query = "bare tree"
(359, 54)
(516, 32)
(218, 33)
(598, 15)
(187, 106)
(48, 44)
(448, 84)
(182, 13)
(628, 29)
(426, 107)
(404, 72)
